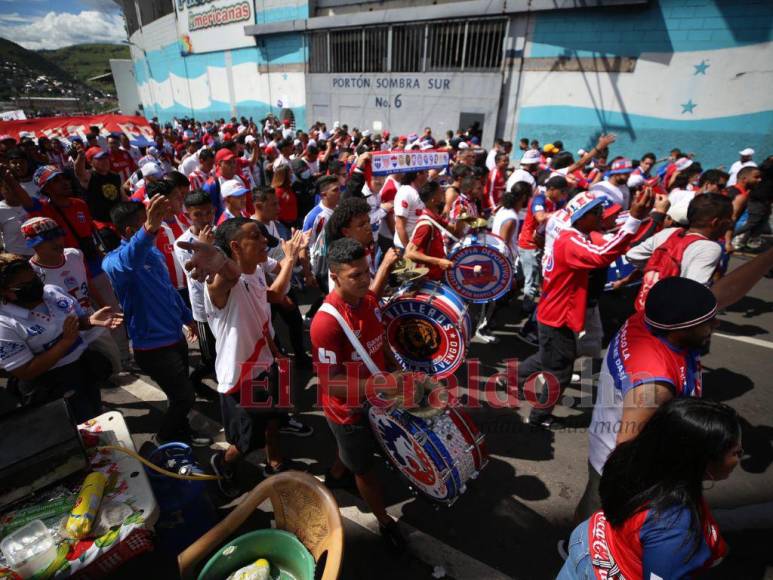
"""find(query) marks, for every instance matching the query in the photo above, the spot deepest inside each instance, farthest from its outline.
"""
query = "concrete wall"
(701, 80)
(251, 81)
(405, 102)
(125, 85)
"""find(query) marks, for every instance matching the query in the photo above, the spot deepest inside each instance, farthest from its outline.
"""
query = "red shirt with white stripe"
(122, 164)
(165, 239)
(495, 187)
(198, 178)
(565, 284)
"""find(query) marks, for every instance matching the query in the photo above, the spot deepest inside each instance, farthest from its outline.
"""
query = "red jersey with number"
(335, 355)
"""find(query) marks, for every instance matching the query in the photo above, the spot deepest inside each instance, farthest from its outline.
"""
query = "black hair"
(649, 155)
(746, 171)
(557, 182)
(683, 177)
(177, 179)
(354, 186)
(10, 265)
(206, 154)
(468, 183)
(714, 176)
(460, 171)
(500, 155)
(124, 214)
(428, 190)
(558, 144)
(519, 190)
(542, 176)
(561, 160)
(197, 198)
(343, 215)
(260, 194)
(665, 464)
(408, 178)
(227, 232)
(161, 186)
(325, 181)
(344, 251)
(706, 207)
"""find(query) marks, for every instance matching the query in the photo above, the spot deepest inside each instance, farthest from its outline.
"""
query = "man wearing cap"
(527, 170)
(655, 357)
(151, 172)
(103, 186)
(233, 192)
(225, 162)
(745, 160)
(561, 311)
(614, 186)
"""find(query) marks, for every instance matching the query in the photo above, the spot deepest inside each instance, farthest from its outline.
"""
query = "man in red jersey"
(561, 312)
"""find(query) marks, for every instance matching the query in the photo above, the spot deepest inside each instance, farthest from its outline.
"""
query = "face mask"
(29, 292)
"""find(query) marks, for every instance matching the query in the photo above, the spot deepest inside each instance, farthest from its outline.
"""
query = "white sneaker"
(486, 338)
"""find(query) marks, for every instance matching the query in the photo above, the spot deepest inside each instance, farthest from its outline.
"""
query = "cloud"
(55, 30)
(13, 17)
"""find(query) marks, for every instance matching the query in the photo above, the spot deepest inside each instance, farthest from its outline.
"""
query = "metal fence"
(476, 45)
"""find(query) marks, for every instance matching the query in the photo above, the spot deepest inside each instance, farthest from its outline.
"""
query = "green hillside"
(85, 61)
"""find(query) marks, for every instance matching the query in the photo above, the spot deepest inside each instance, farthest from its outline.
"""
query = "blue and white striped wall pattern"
(701, 82)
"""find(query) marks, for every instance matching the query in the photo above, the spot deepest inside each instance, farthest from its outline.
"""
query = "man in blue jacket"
(154, 311)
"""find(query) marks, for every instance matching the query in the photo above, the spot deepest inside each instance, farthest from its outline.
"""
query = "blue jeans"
(577, 565)
(531, 266)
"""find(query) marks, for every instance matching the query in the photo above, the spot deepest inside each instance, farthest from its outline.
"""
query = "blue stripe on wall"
(661, 26)
(299, 12)
(714, 141)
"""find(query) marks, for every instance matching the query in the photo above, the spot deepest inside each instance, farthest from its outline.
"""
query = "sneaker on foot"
(296, 428)
(226, 473)
(393, 537)
(549, 423)
(486, 338)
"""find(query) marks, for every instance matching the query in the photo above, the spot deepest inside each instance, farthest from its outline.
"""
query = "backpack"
(665, 262)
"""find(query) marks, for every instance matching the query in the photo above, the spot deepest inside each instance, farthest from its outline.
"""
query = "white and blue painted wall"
(249, 81)
(702, 79)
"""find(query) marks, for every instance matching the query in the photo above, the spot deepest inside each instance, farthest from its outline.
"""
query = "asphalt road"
(508, 522)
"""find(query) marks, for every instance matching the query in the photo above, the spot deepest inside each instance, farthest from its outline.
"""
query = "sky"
(38, 24)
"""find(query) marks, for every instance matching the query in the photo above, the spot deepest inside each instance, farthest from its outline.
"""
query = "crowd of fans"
(117, 256)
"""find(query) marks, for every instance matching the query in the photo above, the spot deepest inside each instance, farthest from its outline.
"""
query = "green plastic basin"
(289, 558)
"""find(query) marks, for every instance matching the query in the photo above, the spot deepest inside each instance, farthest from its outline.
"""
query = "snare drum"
(438, 456)
(483, 267)
(427, 328)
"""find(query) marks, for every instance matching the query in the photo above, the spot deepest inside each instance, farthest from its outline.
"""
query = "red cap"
(286, 122)
(224, 155)
(93, 152)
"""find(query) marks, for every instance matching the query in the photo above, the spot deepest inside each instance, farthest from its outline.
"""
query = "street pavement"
(510, 519)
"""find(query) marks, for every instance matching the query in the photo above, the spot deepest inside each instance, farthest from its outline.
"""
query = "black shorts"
(245, 428)
(356, 445)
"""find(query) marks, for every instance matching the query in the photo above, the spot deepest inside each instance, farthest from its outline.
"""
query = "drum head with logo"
(482, 270)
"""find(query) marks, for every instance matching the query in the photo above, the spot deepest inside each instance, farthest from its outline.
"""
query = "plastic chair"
(302, 506)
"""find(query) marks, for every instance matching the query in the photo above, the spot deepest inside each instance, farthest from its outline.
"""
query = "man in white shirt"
(498, 147)
(408, 206)
(529, 166)
(744, 161)
(236, 302)
(614, 187)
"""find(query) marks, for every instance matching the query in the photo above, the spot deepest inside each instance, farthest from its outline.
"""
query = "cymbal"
(406, 270)
(423, 409)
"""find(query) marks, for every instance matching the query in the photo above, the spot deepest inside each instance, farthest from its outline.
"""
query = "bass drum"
(427, 328)
(483, 267)
(438, 456)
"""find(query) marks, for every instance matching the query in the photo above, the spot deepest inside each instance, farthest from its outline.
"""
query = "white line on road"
(746, 339)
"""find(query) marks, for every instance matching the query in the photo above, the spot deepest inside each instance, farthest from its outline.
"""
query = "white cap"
(581, 152)
(233, 188)
(683, 163)
(531, 157)
(463, 145)
(636, 180)
(366, 133)
(311, 143)
(297, 142)
(678, 212)
(748, 152)
(336, 125)
(152, 169)
(250, 139)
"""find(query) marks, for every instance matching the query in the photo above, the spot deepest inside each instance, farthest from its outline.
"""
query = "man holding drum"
(347, 337)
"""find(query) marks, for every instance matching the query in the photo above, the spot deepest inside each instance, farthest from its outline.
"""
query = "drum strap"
(438, 226)
(355, 342)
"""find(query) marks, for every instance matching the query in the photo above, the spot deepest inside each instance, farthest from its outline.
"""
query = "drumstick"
(476, 268)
